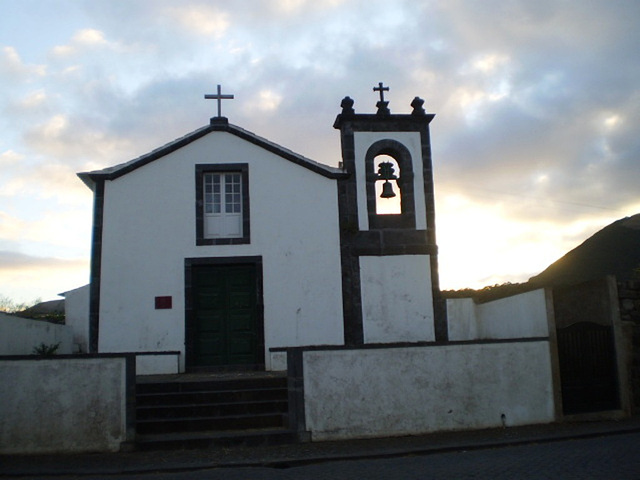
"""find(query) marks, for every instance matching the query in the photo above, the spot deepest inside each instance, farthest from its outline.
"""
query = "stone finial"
(417, 104)
(383, 108)
(347, 106)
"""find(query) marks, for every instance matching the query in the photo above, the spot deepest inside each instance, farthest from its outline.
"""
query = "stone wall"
(629, 296)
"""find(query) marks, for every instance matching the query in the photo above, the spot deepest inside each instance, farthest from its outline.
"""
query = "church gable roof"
(217, 125)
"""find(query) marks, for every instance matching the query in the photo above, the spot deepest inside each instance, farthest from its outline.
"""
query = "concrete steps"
(200, 411)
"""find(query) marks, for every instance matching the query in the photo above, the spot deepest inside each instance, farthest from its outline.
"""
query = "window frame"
(243, 170)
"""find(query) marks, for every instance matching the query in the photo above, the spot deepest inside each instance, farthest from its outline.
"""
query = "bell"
(387, 190)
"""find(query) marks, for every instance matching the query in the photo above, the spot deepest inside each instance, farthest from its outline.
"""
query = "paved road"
(615, 457)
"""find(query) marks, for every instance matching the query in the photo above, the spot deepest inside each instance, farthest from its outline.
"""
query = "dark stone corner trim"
(96, 266)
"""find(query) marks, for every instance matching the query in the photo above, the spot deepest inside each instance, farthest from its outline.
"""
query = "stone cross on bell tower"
(382, 105)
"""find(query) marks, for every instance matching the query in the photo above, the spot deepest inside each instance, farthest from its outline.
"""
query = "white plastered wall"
(19, 336)
(518, 316)
(379, 392)
(397, 304)
(149, 230)
(76, 310)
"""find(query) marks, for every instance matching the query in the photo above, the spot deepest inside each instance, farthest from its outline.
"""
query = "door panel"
(225, 312)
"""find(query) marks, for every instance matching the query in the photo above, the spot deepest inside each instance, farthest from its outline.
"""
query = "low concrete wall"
(19, 336)
(376, 392)
(519, 316)
(65, 405)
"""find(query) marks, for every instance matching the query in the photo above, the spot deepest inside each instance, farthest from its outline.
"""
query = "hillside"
(614, 250)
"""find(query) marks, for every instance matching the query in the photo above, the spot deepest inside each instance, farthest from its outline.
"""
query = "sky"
(535, 141)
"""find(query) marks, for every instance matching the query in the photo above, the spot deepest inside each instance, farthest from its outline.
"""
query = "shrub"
(46, 350)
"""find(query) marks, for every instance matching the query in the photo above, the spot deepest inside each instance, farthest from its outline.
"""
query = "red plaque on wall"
(163, 303)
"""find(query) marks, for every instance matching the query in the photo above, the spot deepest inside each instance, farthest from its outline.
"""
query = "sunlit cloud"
(200, 19)
(295, 6)
(9, 158)
(612, 121)
(75, 141)
(490, 62)
(25, 282)
(59, 181)
(10, 227)
(50, 233)
(268, 100)
(34, 99)
(71, 70)
(12, 66)
(290, 5)
(29, 180)
(13, 261)
(84, 39)
(89, 36)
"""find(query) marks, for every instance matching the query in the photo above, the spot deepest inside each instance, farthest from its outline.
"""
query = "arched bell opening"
(389, 177)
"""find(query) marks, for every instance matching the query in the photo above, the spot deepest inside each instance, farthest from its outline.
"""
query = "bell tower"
(388, 246)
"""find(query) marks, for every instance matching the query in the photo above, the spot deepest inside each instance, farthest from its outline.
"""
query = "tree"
(8, 305)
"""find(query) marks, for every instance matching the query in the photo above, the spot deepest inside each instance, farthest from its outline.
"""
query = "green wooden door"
(225, 314)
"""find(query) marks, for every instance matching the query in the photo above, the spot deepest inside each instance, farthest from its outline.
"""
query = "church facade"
(222, 246)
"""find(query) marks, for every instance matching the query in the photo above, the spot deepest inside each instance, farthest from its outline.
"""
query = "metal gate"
(586, 355)
(586, 347)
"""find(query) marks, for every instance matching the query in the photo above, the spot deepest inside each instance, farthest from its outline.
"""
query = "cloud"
(304, 6)
(25, 282)
(199, 19)
(268, 100)
(83, 40)
(62, 234)
(27, 181)
(75, 140)
(9, 158)
(89, 37)
(12, 261)
(12, 67)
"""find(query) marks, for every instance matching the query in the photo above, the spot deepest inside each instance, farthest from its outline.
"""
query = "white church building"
(221, 246)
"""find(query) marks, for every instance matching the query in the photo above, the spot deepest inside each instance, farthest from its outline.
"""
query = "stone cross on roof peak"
(219, 97)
